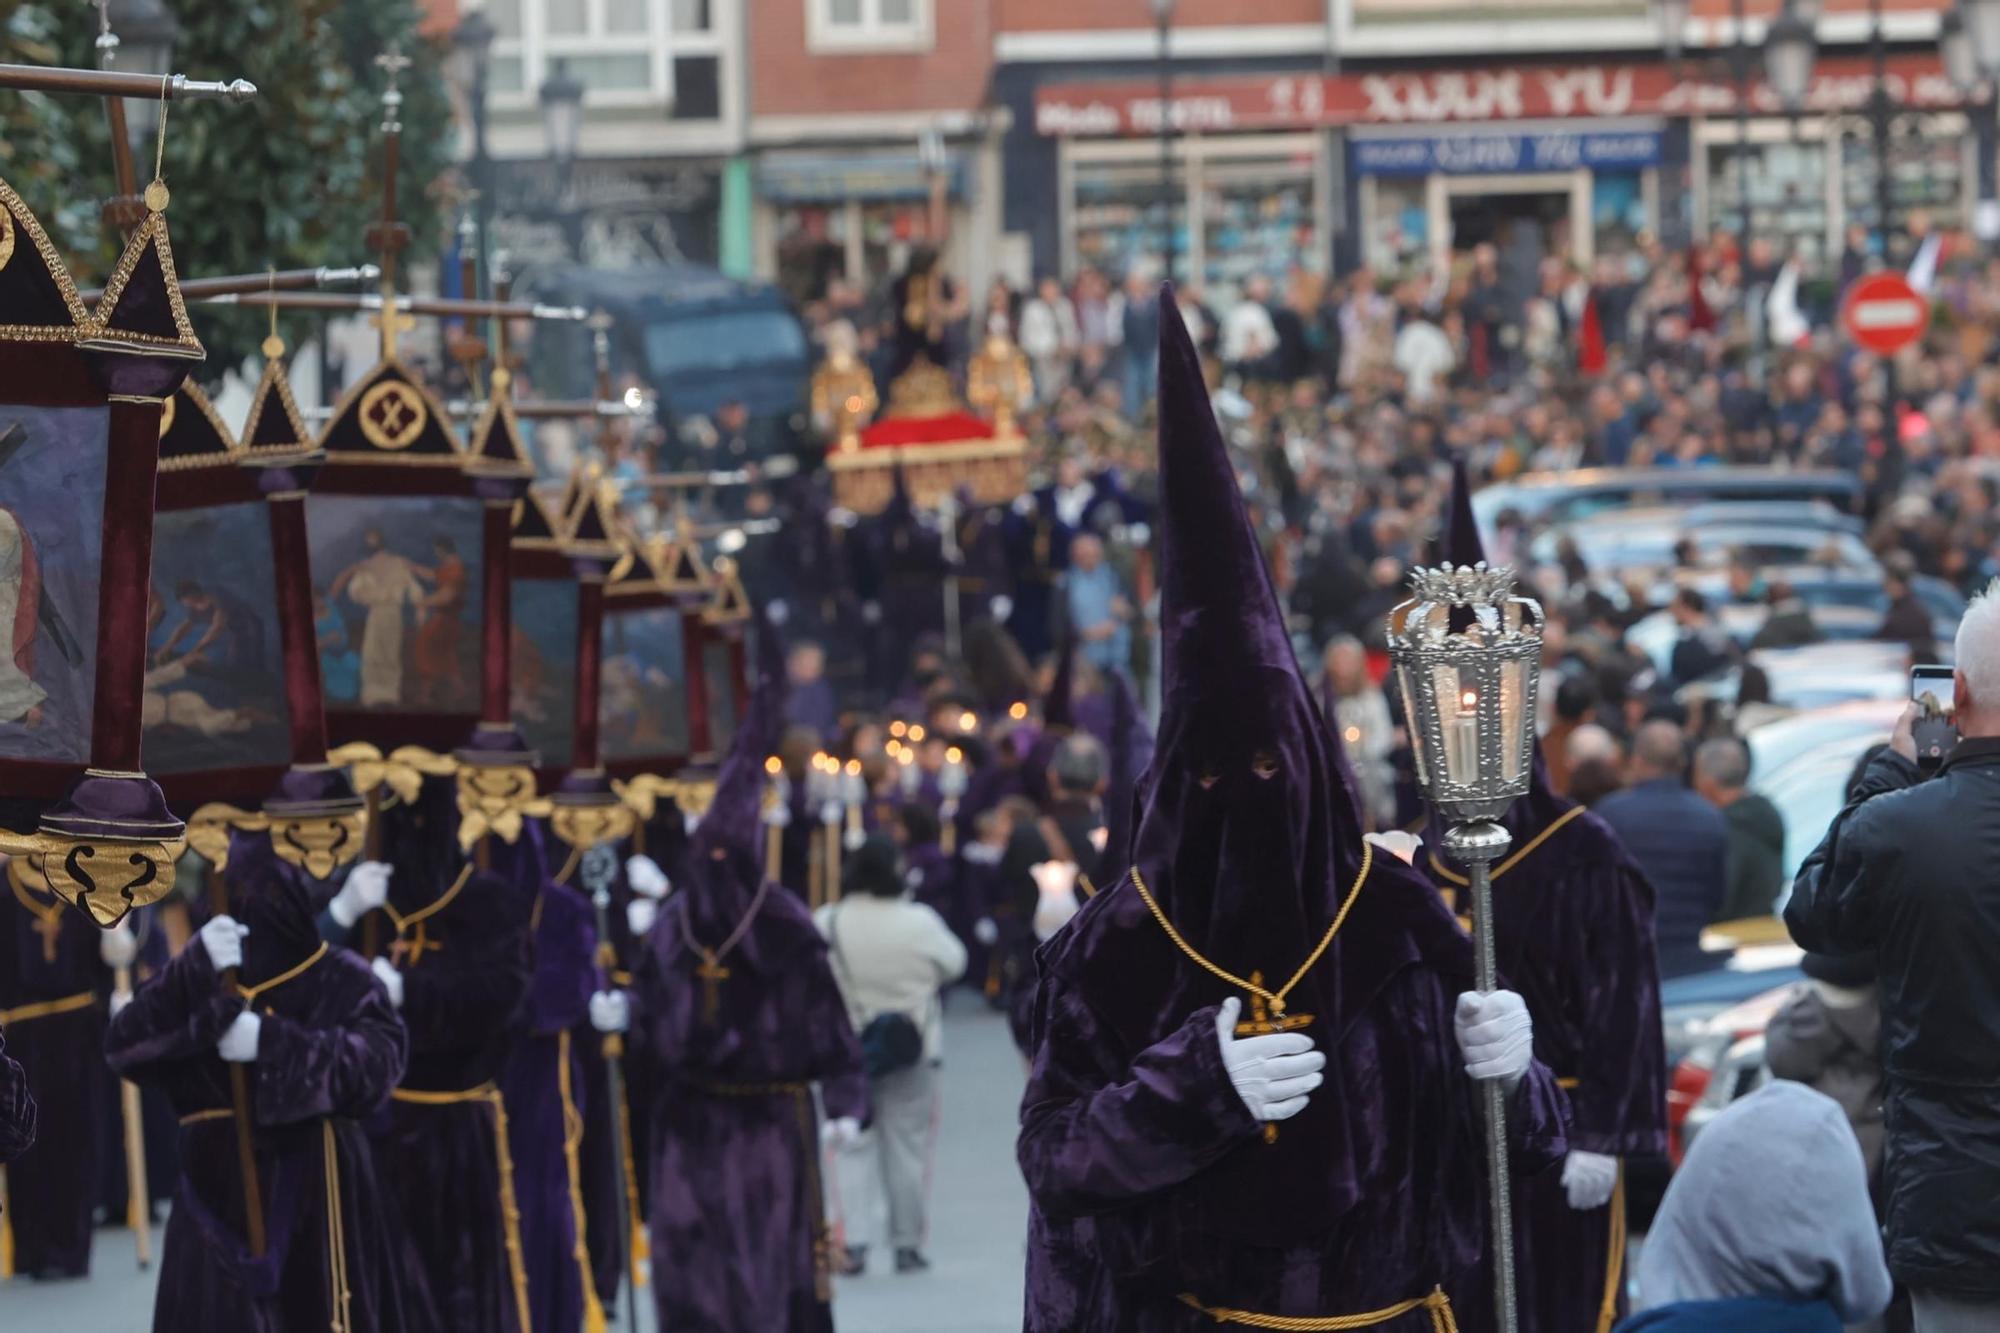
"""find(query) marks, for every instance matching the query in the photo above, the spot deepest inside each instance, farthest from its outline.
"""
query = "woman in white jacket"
(892, 958)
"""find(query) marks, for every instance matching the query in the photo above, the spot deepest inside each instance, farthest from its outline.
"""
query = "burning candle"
(1462, 740)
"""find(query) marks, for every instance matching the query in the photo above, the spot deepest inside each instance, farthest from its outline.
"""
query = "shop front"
(852, 214)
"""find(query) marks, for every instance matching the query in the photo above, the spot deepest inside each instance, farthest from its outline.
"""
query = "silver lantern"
(1468, 655)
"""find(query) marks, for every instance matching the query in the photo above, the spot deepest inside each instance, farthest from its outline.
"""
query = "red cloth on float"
(949, 428)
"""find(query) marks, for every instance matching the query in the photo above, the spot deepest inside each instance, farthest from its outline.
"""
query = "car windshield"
(731, 340)
(1809, 792)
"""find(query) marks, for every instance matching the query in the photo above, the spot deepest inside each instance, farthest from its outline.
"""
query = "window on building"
(627, 52)
(869, 25)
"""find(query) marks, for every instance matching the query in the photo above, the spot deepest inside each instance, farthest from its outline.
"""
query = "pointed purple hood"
(724, 860)
(1059, 706)
(1243, 825)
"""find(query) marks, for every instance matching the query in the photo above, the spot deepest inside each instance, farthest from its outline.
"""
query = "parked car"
(1725, 1062)
(1543, 498)
(1641, 540)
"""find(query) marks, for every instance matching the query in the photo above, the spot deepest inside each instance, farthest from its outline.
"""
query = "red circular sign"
(1884, 313)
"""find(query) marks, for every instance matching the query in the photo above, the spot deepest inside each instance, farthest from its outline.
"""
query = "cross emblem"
(50, 929)
(414, 948)
(392, 416)
(712, 974)
(391, 321)
(1267, 1017)
(393, 62)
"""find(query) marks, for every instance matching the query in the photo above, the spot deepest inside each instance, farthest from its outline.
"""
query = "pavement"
(978, 1225)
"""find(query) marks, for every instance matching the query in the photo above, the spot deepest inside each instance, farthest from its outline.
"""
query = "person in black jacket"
(1906, 870)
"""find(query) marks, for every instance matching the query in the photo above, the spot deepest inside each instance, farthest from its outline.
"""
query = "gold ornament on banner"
(6, 237)
(392, 415)
(496, 800)
(586, 826)
(103, 878)
(642, 794)
(403, 771)
(318, 843)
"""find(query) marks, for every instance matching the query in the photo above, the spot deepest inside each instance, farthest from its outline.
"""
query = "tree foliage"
(289, 180)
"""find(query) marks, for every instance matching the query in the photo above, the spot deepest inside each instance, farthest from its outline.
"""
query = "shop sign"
(1488, 154)
(1433, 97)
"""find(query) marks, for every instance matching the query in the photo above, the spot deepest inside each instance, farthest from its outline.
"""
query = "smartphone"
(1935, 732)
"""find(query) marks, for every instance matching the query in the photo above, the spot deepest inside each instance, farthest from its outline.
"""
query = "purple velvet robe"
(544, 1092)
(330, 1051)
(1573, 929)
(17, 1108)
(49, 1192)
(737, 1205)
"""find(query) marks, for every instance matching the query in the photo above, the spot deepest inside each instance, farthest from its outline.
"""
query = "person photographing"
(1906, 871)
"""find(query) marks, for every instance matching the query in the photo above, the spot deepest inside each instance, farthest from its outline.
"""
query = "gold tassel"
(593, 1309)
(6, 1230)
(642, 1243)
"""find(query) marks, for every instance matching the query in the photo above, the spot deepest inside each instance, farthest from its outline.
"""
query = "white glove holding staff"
(366, 889)
(391, 979)
(222, 940)
(1272, 1074)
(1495, 1035)
(640, 914)
(239, 1043)
(1589, 1179)
(610, 1011)
(643, 873)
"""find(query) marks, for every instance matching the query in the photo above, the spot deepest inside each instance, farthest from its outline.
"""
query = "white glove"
(1272, 1074)
(1399, 844)
(366, 889)
(643, 873)
(391, 979)
(118, 946)
(986, 931)
(119, 999)
(222, 938)
(1055, 896)
(1589, 1178)
(640, 914)
(610, 1011)
(1495, 1035)
(840, 1132)
(239, 1044)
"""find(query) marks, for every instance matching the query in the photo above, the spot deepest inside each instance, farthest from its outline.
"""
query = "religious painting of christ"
(719, 674)
(397, 603)
(214, 691)
(52, 463)
(642, 705)
(544, 674)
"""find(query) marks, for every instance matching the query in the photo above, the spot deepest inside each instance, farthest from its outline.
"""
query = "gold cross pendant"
(50, 929)
(413, 950)
(1266, 1017)
(712, 974)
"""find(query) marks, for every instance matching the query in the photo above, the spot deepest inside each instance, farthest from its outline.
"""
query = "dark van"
(698, 338)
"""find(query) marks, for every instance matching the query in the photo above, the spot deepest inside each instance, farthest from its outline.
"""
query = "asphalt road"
(978, 1224)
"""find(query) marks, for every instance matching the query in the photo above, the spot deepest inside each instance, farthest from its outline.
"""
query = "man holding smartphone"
(1907, 871)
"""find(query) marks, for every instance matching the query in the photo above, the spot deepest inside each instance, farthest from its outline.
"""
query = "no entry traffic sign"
(1884, 313)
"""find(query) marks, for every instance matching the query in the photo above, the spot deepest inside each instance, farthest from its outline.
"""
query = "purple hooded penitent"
(1149, 1180)
(736, 1194)
(329, 1052)
(1573, 928)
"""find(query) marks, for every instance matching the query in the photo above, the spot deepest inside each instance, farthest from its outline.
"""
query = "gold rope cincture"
(1437, 1304)
(48, 920)
(510, 1208)
(250, 993)
(6, 1230)
(415, 949)
(1514, 860)
(26, 1013)
(336, 1236)
(1614, 1267)
(593, 1310)
(1267, 1007)
(710, 969)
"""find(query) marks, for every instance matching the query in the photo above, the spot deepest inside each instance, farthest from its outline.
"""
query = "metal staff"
(282, 280)
(1468, 653)
(138, 1210)
(109, 83)
(597, 869)
(239, 1095)
(450, 307)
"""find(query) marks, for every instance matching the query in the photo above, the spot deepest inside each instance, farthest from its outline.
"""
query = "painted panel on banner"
(215, 695)
(50, 557)
(544, 675)
(642, 708)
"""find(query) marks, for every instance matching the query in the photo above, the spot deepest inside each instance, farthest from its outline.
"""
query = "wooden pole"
(239, 1095)
(138, 1210)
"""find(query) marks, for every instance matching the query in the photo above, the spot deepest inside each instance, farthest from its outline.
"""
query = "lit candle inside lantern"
(1462, 739)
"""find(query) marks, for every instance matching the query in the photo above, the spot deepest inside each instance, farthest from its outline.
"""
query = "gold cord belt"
(748, 1089)
(336, 1234)
(1454, 877)
(68, 1004)
(510, 1208)
(1437, 1303)
(1275, 999)
(203, 1117)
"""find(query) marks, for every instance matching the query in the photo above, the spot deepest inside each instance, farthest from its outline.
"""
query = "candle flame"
(1469, 700)
(1017, 710)
(954, 755)
(906, 756)
(967, 721)
(898, 729)
(853, 768)
(774, 766)
(854, 404)
(1353, 735)
(916, 732)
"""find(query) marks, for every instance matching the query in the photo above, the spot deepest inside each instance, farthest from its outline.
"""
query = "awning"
(815, 178)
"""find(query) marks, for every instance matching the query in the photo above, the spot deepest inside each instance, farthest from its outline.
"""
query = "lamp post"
(561, 99)
(1467, 652)
(1163, 17)
(471, 67)
(1673, 16)
(1969, 42)
(135, 37)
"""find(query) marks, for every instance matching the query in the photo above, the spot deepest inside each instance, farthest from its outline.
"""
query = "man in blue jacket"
(1679, 840)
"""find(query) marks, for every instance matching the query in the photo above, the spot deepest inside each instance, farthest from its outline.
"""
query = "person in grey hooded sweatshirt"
(1767, 1227)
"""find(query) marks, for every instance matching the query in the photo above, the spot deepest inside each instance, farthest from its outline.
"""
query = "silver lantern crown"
(1468, 653)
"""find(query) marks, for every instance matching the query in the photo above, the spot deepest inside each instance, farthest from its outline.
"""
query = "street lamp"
(561, 97)
(1982, 24)
(1163, 17)
(1789, 50)
(471, 63)
(1961, 63)
(1673, 26)
(1969, 42)
(1467, 652)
